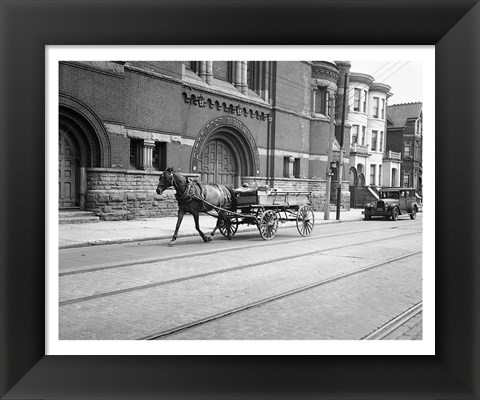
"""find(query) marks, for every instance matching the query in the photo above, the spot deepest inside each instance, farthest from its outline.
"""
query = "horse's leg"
(181, 213)
(219, 217)
(214, 229)
(197, 227)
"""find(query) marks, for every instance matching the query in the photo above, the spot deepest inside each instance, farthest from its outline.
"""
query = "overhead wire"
(361, 81)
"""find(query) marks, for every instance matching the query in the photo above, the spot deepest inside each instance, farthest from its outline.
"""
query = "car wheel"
(395, 213)
(413, 214)
(368, 215)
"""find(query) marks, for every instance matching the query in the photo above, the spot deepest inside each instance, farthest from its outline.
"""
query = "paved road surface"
(140, 290)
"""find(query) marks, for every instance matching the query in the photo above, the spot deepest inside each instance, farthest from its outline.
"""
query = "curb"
(162, 237)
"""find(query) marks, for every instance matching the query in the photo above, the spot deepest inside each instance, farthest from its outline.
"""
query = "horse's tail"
(233, 203)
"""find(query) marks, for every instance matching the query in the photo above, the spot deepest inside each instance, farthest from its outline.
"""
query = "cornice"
(325, 70)
(381, 87)
(360, 77)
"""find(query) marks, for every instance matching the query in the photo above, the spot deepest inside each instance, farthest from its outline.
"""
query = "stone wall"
(115, 194)
(345, 195)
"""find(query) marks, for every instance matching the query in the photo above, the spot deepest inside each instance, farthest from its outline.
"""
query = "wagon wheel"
(268, 224)
(228, 225)
(305, 220)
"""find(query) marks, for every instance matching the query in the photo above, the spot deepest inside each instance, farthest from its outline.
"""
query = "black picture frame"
(27, 27)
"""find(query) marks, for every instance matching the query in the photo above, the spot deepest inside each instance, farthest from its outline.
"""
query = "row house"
(405, 140)
(367, 116)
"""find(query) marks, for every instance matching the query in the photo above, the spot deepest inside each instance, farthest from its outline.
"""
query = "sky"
(404, 76)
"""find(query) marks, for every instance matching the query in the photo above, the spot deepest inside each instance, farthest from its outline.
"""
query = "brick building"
(405, 137)
(233, 122)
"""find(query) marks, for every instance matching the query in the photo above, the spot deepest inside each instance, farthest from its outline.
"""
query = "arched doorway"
(361, 180)
(224, 152)
(353, 186)
(218, 164)
(68, 171)
(82, 143)
(394, 177)
(353, 176)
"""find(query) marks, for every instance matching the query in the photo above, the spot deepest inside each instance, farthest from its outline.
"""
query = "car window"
(389, 195)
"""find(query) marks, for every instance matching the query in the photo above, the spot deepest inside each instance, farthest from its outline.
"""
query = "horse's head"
(166, 180)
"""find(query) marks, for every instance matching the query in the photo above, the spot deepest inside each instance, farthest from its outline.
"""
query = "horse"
(195, 197)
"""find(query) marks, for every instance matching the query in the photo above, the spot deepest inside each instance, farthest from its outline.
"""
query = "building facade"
(369, 166)
(233, 122)
(405, 137)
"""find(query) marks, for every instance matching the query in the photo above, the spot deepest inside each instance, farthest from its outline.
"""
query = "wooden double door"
(68, 171)
(218, 164)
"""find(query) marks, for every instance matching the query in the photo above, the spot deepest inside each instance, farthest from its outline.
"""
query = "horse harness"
(193, 187)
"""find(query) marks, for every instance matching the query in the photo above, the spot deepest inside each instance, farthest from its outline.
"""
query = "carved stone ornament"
(231, 124)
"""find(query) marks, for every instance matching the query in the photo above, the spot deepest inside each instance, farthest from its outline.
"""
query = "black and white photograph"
(241, 200)
(247, 200)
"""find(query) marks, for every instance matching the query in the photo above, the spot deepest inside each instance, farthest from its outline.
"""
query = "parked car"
(392, 203)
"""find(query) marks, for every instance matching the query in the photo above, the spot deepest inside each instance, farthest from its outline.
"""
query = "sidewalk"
(114, 232)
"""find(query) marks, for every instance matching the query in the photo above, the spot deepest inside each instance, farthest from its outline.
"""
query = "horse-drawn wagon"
(266, 208)
(262, 207)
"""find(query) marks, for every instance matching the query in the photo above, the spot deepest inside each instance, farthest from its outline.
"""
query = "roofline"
(405, 104)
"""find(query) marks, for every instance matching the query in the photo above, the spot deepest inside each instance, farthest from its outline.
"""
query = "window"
(291, 167)
(418, 126)
(379, 174)
(286, 167)
(136, 153)
(296, 168)
(329, 105)
(356, 100)
(321, 103)
(365, 94)
(160, 156)
(383, 108)
(252, 74)
(406, 180)
(407, 150)
(374, 140)
(363, 136)
(231, 72)
(375, 107)
(195, 66)
(372, 174)
(355, 134)
(380, 147)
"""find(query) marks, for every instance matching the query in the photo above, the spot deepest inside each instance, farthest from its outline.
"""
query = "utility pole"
(340, 162)
(331, 135)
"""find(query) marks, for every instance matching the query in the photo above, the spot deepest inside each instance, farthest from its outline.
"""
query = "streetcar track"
(395, 323)
(221, 271)
(223, 314)
(208, 252)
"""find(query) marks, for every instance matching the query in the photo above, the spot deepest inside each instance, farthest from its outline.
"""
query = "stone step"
(77, 217)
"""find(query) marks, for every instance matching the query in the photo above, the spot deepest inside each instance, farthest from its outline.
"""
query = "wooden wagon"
(266, 208)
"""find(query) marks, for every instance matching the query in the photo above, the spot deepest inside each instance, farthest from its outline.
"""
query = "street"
(344, 282)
